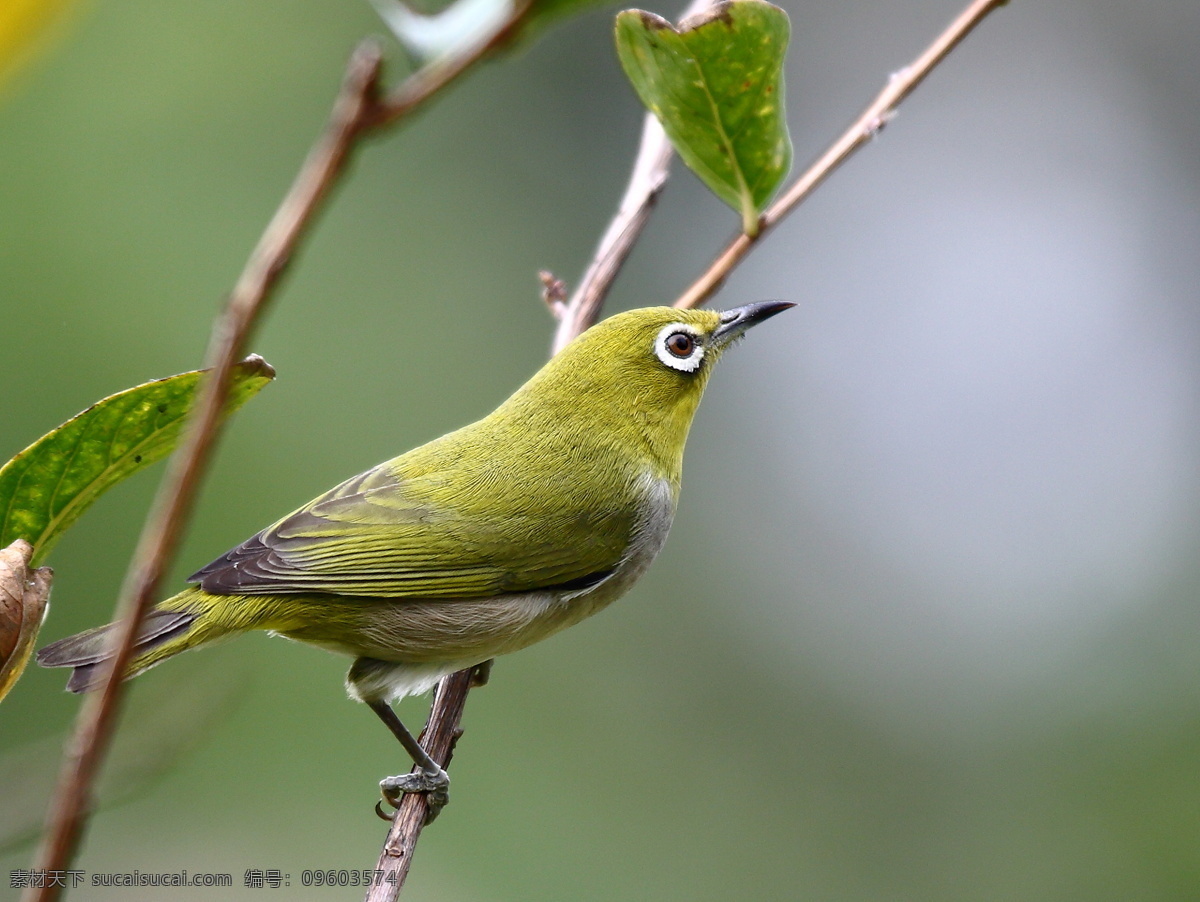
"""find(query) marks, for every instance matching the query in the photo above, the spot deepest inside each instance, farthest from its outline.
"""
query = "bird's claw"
(435, 785)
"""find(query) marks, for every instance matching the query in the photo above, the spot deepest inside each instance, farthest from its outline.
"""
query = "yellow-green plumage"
(480, 542)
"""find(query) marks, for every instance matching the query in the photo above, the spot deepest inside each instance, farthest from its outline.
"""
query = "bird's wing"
(382, 534)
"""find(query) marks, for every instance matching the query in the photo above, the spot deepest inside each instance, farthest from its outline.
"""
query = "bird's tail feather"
(163, 633)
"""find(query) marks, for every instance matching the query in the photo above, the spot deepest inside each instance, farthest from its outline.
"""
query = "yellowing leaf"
(24, 594)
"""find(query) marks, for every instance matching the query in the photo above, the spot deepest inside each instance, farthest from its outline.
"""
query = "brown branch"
(437, 74)
(357, 111)
(651, 169)
(160, 537)
(438, 739)
(866, 127)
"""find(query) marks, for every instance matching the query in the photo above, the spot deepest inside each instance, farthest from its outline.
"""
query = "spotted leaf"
(716, 84)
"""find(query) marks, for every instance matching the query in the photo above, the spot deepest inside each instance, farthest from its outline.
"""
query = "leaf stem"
(868, 125)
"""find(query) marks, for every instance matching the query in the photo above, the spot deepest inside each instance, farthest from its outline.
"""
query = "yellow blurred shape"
(25, 26)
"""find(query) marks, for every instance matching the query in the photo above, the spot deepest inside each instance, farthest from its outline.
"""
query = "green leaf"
(716, 84)
(45, 488)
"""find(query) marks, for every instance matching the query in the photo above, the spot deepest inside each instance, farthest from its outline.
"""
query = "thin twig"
(651, 169)
(438, 73)
(357, 111)
(649, 175)
(866, 127)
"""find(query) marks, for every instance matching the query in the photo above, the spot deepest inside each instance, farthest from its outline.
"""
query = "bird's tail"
(178, 624)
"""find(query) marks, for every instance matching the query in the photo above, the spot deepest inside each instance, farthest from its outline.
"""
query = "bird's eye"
(678, 346)
(681, 344)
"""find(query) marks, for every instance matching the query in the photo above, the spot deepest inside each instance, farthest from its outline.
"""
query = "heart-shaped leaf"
(716, 84)
(45, 488)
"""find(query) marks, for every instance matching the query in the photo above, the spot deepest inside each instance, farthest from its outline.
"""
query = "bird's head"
(640, 374)
(661, 353)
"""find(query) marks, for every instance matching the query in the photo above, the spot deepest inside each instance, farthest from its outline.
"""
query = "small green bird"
(477, 544)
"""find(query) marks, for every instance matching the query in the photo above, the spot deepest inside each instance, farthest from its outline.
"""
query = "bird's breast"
(656, 512)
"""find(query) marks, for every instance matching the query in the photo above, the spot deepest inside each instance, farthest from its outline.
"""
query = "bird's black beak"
(736, 321)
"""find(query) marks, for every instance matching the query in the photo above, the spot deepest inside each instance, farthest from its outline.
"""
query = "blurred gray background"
(927, 626)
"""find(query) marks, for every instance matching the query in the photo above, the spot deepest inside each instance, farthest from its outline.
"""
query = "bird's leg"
(429, 777)
(481, 673)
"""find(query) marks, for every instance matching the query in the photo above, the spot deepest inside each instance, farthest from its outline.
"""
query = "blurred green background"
(927, 624)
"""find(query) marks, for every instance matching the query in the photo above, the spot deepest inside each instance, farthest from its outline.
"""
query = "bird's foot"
(435, 785)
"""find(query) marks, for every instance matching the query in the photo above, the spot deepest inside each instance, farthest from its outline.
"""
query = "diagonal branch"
(359, 109)
(866, 127)
(649, 176)
(651, 168)
(97, 719)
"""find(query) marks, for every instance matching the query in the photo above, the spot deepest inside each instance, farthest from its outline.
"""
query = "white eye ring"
(688, 364)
